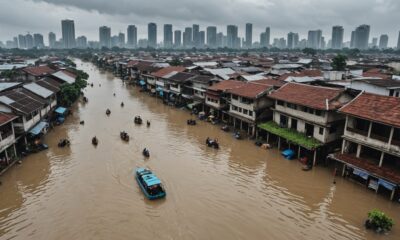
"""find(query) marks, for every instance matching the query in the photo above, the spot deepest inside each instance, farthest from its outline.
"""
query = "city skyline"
(292, 17)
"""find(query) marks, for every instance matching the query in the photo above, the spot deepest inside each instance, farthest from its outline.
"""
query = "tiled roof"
(204, 79)
(6, 117)
(39, 71)
(386, 83)
(22, 100)
(50, 84)
(376, 72)
(226, 85)
(309, 96)
(180, 77)
(304, 73)
(269, 81)
(164, 71)
(250, 90)
(376, 108)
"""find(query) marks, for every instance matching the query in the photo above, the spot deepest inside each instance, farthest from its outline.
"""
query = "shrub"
(378, 221)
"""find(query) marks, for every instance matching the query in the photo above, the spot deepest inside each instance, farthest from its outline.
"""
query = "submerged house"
(371, 143)
(305, 119)
(8, 150)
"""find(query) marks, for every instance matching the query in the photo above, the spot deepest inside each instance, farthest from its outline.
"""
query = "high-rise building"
(68, 33)
(249, 35)
(374, 43)
(81, 42)
(52, 40)
(196, 35)
(353, 39)
(232, 36)
(115, 41)
(121, 40)
(21, 41)
(314, 39)
(29, 41)
(152, 35)
(132, 36)
(15, 44)
(220, 40)
(361, 36)
(265, 38)
(202, 39)
(187, 37)
(177, 38)
(337, 37)
(398, 42)
(38, 40)
(105, 37)
(168, 36)
(212, 37)
(383, 41)
(292, 40)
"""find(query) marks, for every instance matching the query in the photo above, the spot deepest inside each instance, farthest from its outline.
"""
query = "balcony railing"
(358, 131)
(380, 138)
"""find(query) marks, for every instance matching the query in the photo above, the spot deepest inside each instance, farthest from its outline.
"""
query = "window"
(294, 124)
(283, 121)
(279, 102)
(333, 129)
(321, 131)
(318, 112)
(391, 92)
(234, 108)
(397, 94)
(240, 110)
(250, 113)
(245, 111)
(291, 105)
(235, 97)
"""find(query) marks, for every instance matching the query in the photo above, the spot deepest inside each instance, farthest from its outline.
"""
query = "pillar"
(344, 169)
(343, 145)
(358, 150)
(392, 195)
(369, 129)
(391, 136)
(381, 159)
(298, 152)
(315, 157)
(279, 143)
(267, 137)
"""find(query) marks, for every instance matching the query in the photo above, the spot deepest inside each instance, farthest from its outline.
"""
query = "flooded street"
(237, 192)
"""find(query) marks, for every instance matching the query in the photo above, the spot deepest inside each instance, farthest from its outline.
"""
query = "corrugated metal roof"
(39, 90)
(64, 77)
(6, 100)
(7, 85)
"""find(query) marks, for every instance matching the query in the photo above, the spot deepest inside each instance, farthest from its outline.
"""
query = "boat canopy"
(38, 128)
(142, 82)
(151, 179)
(60, 110)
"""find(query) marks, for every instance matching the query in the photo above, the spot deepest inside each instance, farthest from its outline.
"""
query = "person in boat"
(114, 94)
(148, 123)
(108, 112)
(146, 152)
(122, 104)
(94, 140)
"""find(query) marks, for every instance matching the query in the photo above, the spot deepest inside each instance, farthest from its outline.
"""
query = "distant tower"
(337, 37)
(132, 36)
(168, 36)
(68, 33)
(152, 35)
(249, 35)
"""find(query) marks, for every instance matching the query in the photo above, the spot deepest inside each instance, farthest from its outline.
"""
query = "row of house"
(27, 108)
(298, 109)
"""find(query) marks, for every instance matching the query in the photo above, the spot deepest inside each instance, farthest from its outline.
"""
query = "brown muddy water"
(237, 192)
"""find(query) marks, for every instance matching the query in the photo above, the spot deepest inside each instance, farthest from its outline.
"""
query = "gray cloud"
(282, 16)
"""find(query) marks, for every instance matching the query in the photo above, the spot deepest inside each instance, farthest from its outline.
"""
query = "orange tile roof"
(39, 71)
(226, 85)
(6, 117)
(164, 71)
(304, 73)
(269, 81)
(375, 107)
(250, 90)
(308, 95)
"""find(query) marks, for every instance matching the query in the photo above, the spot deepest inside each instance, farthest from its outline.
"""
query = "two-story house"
(199, 86)
(305, 118)
(160, 85)
(249, 105)
(176, 83)
(48, 95)
(371, 142)
(30, 74)
(7, 140)
(217, 100)
(386, 87)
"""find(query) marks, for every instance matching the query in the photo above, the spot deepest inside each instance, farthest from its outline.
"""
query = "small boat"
(150, 184)
(191, 122)
(288, 154)
(237, 135)
(124, 136)
(146, 153)
(63, 143)
(212, 143)
(138, 120)
(108, 112)
(225, 128)
(95, 141)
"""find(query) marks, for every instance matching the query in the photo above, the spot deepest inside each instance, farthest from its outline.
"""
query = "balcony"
(358, 131)
(7, 140)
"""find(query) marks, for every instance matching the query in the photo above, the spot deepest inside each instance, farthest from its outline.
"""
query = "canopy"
(38, 128)
(151, 179)
(142, 82)
(386, 184)
(159, 89)
(61, 110)
(360, 173)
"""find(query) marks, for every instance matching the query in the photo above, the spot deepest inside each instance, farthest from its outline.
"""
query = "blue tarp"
(386, 184)
(38, 128)
(151, 180)
(360, 173)
(60, 110)
(141, 82)
(158, 89)
(288, 153)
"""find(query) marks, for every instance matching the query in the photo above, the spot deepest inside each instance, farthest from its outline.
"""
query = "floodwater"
(237, 192)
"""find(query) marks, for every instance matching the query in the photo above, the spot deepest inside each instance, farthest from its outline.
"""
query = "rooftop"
(250, 90)
(375, 108)
(6, 117)
(165, 71)
(39, 71)
(226, 85)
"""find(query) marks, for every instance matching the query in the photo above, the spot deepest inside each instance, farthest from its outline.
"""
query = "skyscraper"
(212, 37)
(196, 35)
(187, 37)
(314, 39)
(132, 36)
(38, 40)
(177, 38)
(383, 41)
(105, 37)
(292, 40)
(68, 33)
(265, 38)
(29, 41)
(168, 36)
(52, 39)
(152, 35)
(121, 40)
(232, 36)
(353, 39)
(337, 37)
(374, 42)
(361, 36)
(202, 39)
(81, 42)
(398, 42)
(249, 35)
(21, 41)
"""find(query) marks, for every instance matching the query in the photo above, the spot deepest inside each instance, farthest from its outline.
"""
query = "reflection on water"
(237, 192)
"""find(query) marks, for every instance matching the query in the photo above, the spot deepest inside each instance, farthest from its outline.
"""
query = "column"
(381, 159)
(315, 157)
(358, 150)
(279, 143)
(391, 136)
(298, 152)
(369, 129)
(343, 145)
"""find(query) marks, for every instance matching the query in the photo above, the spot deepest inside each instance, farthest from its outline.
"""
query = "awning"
(141, 82)
(60, 110)
(360, 173)
(386, 184)
(38, 128)
(159, 89)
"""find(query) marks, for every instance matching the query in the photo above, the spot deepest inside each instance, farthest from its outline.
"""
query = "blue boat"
(288, 154)
(150, 184)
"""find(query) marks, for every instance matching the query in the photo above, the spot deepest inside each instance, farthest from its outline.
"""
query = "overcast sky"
(283, 16)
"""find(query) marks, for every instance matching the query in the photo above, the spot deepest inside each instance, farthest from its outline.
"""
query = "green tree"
(339, 62)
